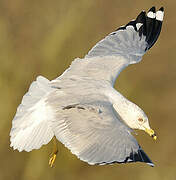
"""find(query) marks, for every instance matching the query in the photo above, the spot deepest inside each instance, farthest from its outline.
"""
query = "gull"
(81, 108)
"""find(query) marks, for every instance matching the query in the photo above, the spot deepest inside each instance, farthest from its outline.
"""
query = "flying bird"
(82, 110)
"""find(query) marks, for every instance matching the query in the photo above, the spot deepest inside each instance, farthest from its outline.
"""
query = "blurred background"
(42, 38)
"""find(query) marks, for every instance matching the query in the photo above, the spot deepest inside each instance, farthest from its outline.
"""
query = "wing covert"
(120, 48)
(96, 135)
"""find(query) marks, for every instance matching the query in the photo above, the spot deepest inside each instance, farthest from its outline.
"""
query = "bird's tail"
(30, 126)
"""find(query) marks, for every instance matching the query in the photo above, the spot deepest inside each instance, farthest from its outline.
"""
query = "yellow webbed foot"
(52, 159)
(54, 153)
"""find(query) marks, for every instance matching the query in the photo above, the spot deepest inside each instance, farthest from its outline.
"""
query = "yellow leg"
(54, 153)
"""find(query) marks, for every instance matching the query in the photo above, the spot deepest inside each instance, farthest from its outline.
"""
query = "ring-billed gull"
(82, 109)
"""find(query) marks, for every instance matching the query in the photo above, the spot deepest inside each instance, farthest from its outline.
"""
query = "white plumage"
(81, 107)
(31, 127)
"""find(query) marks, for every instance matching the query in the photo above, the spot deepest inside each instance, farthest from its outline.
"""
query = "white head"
(134, 117)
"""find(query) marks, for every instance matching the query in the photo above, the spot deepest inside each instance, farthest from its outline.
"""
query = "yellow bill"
(151, 133)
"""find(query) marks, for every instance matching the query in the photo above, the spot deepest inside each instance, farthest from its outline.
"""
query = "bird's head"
(135, 118)
(140, 121)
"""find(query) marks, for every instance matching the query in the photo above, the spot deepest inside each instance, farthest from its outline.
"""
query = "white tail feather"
(30, 126)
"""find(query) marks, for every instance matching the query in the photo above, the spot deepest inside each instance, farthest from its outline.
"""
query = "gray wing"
(120, 48)
(133, 39)
(95, 133)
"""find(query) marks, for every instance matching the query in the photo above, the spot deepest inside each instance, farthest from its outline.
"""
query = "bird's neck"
(123, 107)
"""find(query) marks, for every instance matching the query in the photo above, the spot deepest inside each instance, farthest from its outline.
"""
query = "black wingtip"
(141, 17)
(148, 25)
(144, 157)
(138, 156)
(161, 9)
(154, 25)
(153, 9)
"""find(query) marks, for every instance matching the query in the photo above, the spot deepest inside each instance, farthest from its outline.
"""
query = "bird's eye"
(141, 120)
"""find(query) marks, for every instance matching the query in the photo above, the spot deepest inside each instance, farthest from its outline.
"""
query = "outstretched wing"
(120, 48)
(95, 133)
(133, 39)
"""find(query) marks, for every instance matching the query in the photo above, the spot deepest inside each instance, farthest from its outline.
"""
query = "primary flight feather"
(82, 109)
